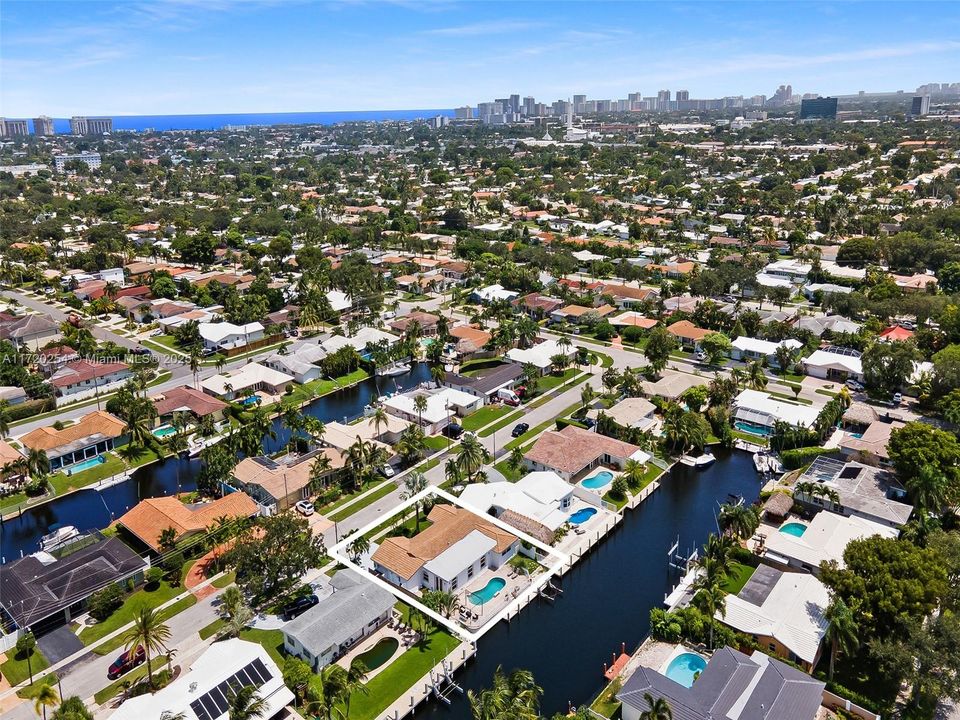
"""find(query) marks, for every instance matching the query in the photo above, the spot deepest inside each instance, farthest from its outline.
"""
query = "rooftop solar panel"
(213, 704)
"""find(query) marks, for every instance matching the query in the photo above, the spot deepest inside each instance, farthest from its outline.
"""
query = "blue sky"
(219, 56)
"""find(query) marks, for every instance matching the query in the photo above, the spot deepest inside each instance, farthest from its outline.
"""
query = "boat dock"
(437, 683)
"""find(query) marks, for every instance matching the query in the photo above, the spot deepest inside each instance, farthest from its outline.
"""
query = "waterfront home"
(753, 349)
(671, 384)
(731, 685)
(458, 545)
(149, 518)
(834, 363)
(870, 445)
(186, 399)
(362, 339)
(426, 321)
(541, 355)
(29, 332)
(227, 336)
(92, 435)
(486, 383)
(387, 433)
(807, 544)
(89, 376)
(279, 484)
(538, 503)
(631, 412)
(442, 405)
(10, 458)
(759, 412)
(470, 342)
(298, 362)
(573, 451)
(783, 612)
(203, 692)
(688, 334)
(246, 381)
(53, 587)
(351, 608)
(864, 491)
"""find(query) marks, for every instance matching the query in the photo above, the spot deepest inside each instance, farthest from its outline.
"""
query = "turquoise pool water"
(488, 592)
(582, 515)
(164, 430)
(252, 400)
(793, 528)
(601, 479)
(685, 667)
(752, 429)
(856, 435)
(86, 464)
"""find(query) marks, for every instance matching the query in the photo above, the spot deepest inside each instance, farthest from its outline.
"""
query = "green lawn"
(166, 342)
(549, 382)
(617, 502)
(271, 640)
(401, 674)
(143, 598)
(112, 465)
(212, 629)
(380, 492)
(15, 669)
(111, 690)
(502, 423)
(484, 416)
(739, 574)
(606, 703)
(473, 367)
(316, 388)
(436, 442)
(508, 472)
(750, 437)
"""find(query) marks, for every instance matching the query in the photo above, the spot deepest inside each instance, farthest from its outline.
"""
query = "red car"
(126, 662)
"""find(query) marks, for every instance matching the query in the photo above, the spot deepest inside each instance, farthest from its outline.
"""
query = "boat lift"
(443, 685)
(681, 563)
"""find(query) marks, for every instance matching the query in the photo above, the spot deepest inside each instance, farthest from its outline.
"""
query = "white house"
(225, 335)
(748, 348)
(442, 405)
(198, 692)
(246, 381)
(834, 363)
(541, 355)
(760, 410)
(457, 546)
(359, 340)
(543, 497)
(300, 360)
(340, 302)
(492, 293)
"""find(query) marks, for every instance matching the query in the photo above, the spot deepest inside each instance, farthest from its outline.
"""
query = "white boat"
(60, 536)
(699, 462)
(393, 370)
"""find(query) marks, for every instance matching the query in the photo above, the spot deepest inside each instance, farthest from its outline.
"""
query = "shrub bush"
(798, 457)
(104, 602)
(153, 576)
(30, 408)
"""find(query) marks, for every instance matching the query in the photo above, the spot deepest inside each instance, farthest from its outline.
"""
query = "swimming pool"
(685, 668)
(488, 592)
(582, 515)
(793, 528)
(249, 400)
(601, 479)
(753, 429)
(856, 435)
(379, 653)
(164, 430)
(86, 464)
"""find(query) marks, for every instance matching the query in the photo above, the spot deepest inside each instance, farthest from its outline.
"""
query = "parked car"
(299, 606)
(453, 431)
(519, 429)
(387, 470)
(305, 508)
(126, 662)
(140, 350)
(854, 385)
(701, 356)
(897, 398)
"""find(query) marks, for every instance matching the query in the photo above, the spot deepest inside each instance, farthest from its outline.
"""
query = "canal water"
(92, 508)
(608, 595)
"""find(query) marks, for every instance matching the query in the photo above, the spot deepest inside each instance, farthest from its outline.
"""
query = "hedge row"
(793, 459)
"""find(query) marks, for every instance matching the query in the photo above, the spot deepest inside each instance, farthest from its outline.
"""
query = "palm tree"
(356, 676)
(710, 600)
(379, 420)
(472, 456)
(514, 696)
(358, 547)
(739, 519)
(246, 704)
(43, 696)
(659, 709)
(37, 462)
(196, 354)
(413, 483)
(633, 472)
(437, 374)
(420, 405)
(928, 488)
(756, 377)
(234, 610)
(4, 419)
(150, 632)
(842, 632)
(587, 395)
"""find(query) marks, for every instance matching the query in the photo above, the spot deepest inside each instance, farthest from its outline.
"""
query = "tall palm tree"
(413, 483)
(659, 709)
(38, 464)
(356, 677)
(44, 696)
(234, 610)
(515, 696)
(380, 419)
(150, 632)
(420, 405)
(928, 488)
(711, 600)
(843, 630)
(738, 519)
(756, 377)
(472, 456)
(196, 354)
(246, 704)
(358, 547)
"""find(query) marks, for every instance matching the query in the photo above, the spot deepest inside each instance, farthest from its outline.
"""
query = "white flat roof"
(539, 355)
(763, 347)
(217, 332)
(459, 556)
(826, 537)
(247, 376)
(825, 359)
(759, 407)
(437, 403)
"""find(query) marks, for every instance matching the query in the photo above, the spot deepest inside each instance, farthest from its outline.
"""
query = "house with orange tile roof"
(673, 270)
(278, 485)
(88, 438)
(149, 518)
(457, 546)
(895, 333)
(580, 313)
(187, 400)
(573, 451)
(687, 333)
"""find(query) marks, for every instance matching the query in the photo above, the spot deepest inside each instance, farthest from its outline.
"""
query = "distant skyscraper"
(43, 125)
(683, 95)
(578, 102)
(13, 128)
(529, 106)
(80, 125)
(515, 103)
(782, 96)
(920, 105)
(824, 108)
(663, 100)
(463, 113)
(90, 159)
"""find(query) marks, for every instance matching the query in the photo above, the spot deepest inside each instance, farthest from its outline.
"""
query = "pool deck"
(404, 635)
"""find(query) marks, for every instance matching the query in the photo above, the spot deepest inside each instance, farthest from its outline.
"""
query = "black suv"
(299, 606)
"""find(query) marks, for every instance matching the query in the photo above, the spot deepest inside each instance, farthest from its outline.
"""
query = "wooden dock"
(438, 683)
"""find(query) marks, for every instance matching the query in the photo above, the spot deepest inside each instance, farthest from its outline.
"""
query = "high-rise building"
(515, 103)
(90, 159)
(80, 125)
(663, 100)
(43, 125)
(13, 128)
(920, 105)
(683, 95)
(782, 96)
(529, 106)
(823, 108)
(635, 97)
(463, 113)
(578, 102)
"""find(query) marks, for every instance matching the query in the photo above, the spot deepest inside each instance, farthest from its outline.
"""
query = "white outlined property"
(489, 594)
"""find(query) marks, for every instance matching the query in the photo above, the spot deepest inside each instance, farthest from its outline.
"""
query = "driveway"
(59, 644)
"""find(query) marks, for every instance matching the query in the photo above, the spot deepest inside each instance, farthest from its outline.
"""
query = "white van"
(508, 396)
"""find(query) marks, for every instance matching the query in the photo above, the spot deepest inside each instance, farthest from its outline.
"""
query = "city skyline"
(181, 56)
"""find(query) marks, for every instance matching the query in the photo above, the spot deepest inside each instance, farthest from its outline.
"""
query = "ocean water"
(214, 122)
